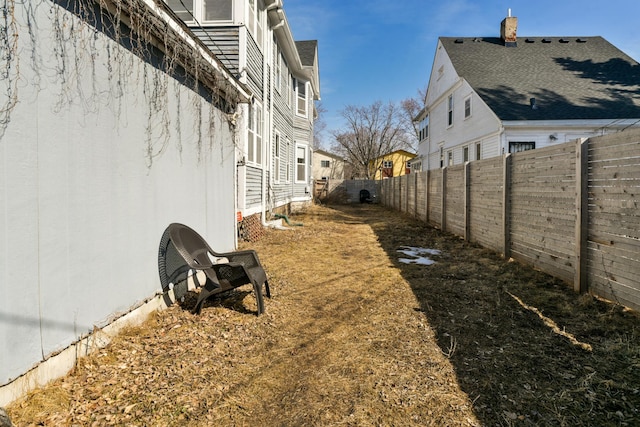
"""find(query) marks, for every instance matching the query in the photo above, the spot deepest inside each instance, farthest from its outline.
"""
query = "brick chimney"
(508, 29)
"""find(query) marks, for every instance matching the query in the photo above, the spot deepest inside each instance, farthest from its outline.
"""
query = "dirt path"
(354, 337)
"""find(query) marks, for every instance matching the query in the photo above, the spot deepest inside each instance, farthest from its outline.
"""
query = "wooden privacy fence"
(570, 210)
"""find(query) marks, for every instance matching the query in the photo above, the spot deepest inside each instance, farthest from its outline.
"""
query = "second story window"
(324, 163)
(450, 111)
(424, 128)
(467, 107)
(301, 91)
(202, 10)
(255, 20)
(277, 65)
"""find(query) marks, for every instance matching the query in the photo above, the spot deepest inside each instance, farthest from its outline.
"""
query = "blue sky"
(383, 50)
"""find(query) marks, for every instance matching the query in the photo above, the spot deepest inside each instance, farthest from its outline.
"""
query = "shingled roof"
(307, 51)
(569, 77)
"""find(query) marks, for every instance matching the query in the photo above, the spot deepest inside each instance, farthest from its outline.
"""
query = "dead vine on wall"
(68, 44)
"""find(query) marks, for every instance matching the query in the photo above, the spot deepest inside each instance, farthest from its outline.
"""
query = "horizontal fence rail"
(570, 210)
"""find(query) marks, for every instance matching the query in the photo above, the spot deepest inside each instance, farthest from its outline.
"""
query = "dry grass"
(352, 337)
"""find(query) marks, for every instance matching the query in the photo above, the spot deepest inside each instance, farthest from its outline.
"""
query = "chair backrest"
(171, 265)
(190, 245)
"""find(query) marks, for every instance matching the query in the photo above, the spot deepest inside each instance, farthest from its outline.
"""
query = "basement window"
(517, 146)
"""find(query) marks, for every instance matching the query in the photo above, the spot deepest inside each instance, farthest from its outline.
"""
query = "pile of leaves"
(352, 336)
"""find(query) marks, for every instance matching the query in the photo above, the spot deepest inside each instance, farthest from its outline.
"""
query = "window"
(325, 163)
(387, 168)
(276, 158)
(183, 9)
(290, 87)
(478, 151)
(450, 158)
(423, 128)
(301, 163)
(516, 147)
(277, 65)
(202, 10)
(301, 90)
(255, 20)
(217, 10)
(467, 107)
(254, 149)
(441, 157)
(287, 157)
(465, 154)
(450, 111)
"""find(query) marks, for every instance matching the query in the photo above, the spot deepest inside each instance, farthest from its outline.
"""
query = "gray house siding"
(255, 67)
(254, 186)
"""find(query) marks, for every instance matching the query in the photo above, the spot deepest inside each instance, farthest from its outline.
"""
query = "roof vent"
(564, 41)
(529, 41)
(546, 41)
(581, 41)
(459, 41)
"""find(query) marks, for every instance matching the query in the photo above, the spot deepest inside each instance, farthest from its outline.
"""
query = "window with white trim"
(450, 158)
(465, 154)
(301, 96)
(478, 151)
(287, 156)
(325, 163)
(256, 20)
(423, 128)
(301, 163)
(202, 10)
(450, 111)
(276, 158)
(254, 148)
(277, 65)
(467, 107)
(517, 146)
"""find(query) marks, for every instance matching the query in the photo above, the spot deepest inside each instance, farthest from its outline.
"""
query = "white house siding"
(255, 67)
(82, 203)
(481, 127)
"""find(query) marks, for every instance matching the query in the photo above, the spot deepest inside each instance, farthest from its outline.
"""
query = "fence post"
(443, 201)
(426, 196)
(467, 201)
(415, 195)
(506, 209)
(582, 211)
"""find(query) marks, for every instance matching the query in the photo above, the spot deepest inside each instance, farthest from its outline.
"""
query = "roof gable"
(569, 77)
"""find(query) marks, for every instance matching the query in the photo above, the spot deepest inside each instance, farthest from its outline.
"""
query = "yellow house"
(396, 163)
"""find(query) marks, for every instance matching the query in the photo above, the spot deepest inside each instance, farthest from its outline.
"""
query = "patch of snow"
(417, 255)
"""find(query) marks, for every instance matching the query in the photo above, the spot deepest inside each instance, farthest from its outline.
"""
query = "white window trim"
(277, 64)
(306, 98)
(255, 139)
(450, 108)
(277, 156)
(255, 21)
(288, 156)
(305, 162)
(468, 98)
(199, 14)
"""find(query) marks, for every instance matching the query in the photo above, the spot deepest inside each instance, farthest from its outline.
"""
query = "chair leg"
(266, 287)
(257, 289)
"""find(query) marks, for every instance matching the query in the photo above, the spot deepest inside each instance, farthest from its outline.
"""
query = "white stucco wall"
(82, 204)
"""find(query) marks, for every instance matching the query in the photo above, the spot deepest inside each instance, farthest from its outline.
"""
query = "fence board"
(570, 210)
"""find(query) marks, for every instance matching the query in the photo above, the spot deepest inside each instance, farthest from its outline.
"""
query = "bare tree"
(370, 133)
(411, 107)
(319, 125)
